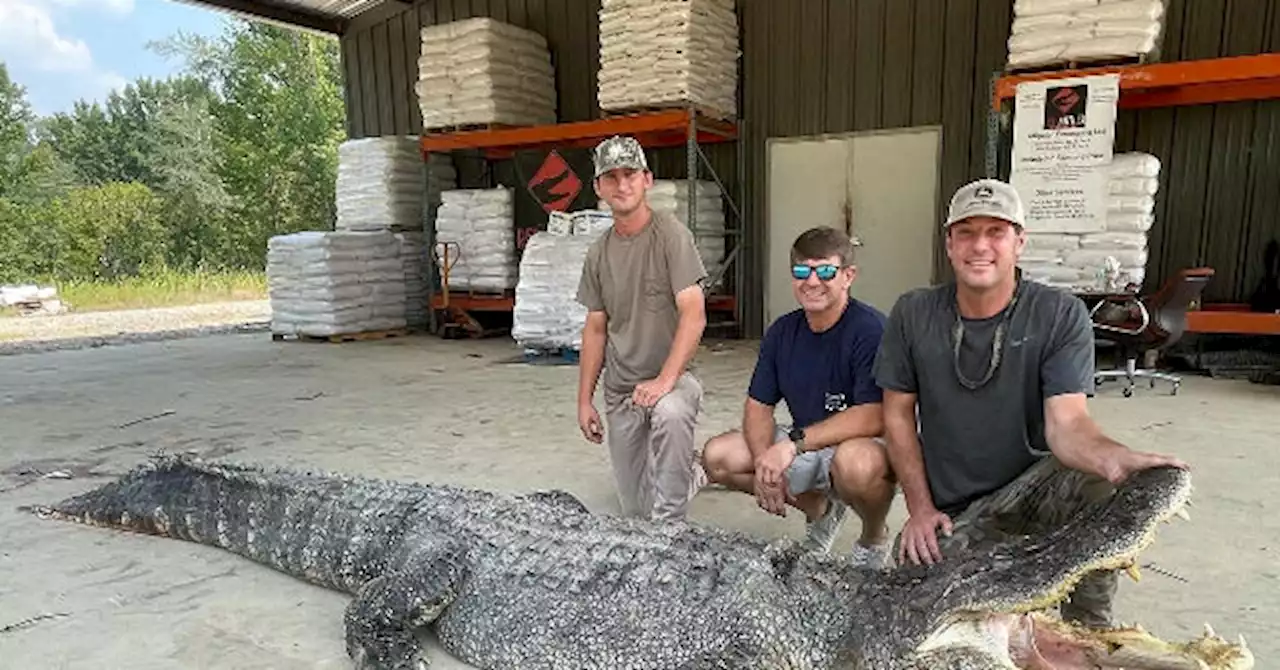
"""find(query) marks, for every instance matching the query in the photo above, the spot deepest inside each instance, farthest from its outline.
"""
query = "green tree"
(16, 119)
(106, 232)
(279, 120)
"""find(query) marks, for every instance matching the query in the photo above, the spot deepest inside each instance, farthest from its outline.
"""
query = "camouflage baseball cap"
(619, 151)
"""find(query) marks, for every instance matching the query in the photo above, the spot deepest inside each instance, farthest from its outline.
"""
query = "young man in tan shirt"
(642, 287)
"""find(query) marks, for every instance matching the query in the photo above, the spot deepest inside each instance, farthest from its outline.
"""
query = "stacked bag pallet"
(380, 187)
(325, 283)
(547, 315)
(476, 229)
(1053, 32)
(481, 71)
(660, 53)
(1110, 259)
(672, 197)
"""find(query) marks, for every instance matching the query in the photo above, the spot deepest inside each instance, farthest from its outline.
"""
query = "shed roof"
(329, 16)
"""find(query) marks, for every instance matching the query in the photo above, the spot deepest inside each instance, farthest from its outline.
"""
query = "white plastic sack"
(1125, 10)
(1034, 7)
(1133, 164)
(1130, 204)
(334, 282)
(547, 314)
(1110, 47)
(1130, 222)
(1114, 239)
(1095, 258)
(1050, 272)
(1051, 242)
(1134, 186)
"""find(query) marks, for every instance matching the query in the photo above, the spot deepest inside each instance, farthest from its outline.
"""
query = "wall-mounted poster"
(1063, 134)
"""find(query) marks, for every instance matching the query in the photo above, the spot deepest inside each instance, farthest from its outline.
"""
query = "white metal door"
(894, 190)
(888, 179)
(807, 181)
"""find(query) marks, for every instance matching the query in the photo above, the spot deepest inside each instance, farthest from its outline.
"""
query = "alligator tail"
(332, 531)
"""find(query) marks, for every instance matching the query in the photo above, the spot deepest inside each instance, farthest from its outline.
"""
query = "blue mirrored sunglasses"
(826, 271)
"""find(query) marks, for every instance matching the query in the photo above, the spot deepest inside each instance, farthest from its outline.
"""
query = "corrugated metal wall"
(842, 65)
(817, 66)
(1219, 198)
(380, 58)
(831, 66)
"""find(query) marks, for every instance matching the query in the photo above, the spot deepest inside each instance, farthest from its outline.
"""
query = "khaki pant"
(652, 451)
(1044, 497)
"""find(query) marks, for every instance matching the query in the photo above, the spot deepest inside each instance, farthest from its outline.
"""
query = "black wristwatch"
(797, 436)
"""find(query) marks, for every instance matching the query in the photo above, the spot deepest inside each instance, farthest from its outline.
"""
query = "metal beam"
(267, 10)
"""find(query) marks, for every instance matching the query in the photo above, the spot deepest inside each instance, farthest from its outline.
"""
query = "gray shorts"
(810, 471)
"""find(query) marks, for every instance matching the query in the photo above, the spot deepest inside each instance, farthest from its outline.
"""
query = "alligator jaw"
(1036, 641)
(1027, 639)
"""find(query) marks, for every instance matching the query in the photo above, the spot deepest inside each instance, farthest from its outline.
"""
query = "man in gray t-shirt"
(641, 284)
(985, 384)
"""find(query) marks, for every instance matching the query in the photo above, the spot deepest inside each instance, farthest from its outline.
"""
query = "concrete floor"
(461, 412)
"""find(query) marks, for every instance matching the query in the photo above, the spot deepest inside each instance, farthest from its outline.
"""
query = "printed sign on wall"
(1063, 139)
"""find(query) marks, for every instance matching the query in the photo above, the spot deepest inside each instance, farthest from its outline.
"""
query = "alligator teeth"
(1183, 514)
(1244, 646)
(1133, 572)
(1208, 630)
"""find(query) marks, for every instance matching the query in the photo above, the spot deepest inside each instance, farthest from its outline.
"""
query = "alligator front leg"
(380, 621)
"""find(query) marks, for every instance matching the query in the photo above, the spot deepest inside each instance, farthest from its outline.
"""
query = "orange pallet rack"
(1172, 84)
(661, 128)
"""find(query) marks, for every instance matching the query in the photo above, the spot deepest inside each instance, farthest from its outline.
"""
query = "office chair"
(1141, 324)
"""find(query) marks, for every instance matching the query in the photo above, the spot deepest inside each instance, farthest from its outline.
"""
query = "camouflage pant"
(1043, 497)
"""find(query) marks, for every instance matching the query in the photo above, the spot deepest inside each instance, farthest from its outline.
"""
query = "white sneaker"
(700, 479)
(874, 558)
(820, 534)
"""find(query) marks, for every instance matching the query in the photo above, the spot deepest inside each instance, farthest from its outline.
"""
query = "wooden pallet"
(469, 127)
(634, 110)
(368, 335)
(478, 294)
(1077, 65)
(552, 356)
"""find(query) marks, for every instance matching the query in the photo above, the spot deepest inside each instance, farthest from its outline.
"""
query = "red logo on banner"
(561, 184)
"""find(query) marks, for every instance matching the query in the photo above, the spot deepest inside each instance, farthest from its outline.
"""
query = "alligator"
(534, 580)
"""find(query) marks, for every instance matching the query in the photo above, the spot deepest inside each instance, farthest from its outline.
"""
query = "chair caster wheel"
(1128, 391)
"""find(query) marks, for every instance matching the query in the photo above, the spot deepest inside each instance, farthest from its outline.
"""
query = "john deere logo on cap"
(984, 192)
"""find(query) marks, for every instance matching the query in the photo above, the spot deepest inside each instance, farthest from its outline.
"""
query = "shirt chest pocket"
(655, 285)
(655, 294)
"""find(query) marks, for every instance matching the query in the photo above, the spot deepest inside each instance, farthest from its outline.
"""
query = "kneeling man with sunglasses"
(819, 360)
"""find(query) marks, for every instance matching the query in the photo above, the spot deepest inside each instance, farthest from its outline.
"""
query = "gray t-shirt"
(634, 280)
(976, 441)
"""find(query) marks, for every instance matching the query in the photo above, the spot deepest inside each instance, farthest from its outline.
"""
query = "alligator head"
(983, 610)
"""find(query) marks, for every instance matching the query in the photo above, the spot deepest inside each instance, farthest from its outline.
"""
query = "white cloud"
(31, 43)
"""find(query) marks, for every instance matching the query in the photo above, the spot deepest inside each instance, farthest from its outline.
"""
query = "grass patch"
(169, 289)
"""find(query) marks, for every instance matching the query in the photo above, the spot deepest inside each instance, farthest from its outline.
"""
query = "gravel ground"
(32, 334)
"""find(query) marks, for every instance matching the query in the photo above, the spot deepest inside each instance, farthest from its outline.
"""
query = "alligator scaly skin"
(535, 581)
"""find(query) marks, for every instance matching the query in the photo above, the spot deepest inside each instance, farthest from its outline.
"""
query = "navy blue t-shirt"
(819, 374)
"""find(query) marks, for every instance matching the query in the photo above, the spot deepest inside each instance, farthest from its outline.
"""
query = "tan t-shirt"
(634, 280)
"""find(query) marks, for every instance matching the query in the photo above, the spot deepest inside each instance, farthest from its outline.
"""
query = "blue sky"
(64, 50)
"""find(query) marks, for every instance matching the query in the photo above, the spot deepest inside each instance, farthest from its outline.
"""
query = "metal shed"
(816, 67)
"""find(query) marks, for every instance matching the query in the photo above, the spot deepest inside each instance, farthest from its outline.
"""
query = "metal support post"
(993, 129)
(429, 244)
(691, 168)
